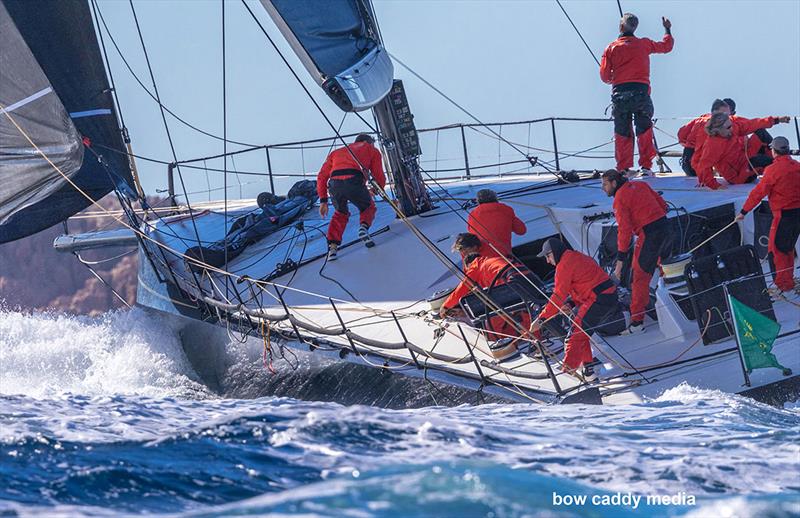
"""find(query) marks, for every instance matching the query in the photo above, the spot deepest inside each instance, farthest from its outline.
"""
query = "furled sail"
(54, 95)
(339, 44)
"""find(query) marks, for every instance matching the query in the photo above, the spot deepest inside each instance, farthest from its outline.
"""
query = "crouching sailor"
(483, 272)
(578, 276)
(642, 212)
(345, 174)
(781, 183)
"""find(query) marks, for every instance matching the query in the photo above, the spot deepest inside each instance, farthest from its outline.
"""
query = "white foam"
(121, 352)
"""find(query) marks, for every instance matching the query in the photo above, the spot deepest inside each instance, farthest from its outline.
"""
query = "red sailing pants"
(577, 350)
(781, 244)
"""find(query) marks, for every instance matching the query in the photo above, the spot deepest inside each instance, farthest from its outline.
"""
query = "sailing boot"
(589, 375)
(363, 235)
(635, 327)
(333, 249)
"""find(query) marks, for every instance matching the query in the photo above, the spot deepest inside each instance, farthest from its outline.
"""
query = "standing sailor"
(344, 175)
(642, 212)
(626, 66)
(781, 183)
(493, 222)
(579, 277)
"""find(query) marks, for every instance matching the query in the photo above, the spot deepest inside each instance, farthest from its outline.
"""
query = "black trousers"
(604, 316)
(350, 190)
(657, 244)
(635, 104)
(686, 161)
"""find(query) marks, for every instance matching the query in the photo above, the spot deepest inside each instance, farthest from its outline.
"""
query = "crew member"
(579, 277)
(781, 183)
(642, 212)
(626, 66)
(723, 150)
(687, 134)
(483, 272)
(494, 222)
(344, 175)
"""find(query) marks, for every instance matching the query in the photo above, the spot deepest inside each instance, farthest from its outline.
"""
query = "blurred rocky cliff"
(33, 275)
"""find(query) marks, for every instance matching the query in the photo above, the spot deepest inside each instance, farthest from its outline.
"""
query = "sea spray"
(122, 352)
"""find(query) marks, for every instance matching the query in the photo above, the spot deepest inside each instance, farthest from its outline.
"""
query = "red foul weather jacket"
(341, 159)
(493, 223)
(482, 271)
(727, 154)
(627, 59)
(686, 135)
(636, 204)
(781, 182)
(576, 276)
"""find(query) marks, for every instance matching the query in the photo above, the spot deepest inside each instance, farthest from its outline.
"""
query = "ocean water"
(105, 416)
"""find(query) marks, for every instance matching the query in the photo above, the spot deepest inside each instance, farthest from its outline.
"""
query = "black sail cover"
(339, 44)
(55, 94)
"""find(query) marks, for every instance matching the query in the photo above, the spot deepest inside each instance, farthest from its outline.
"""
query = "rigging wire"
(164, 118)
(579, 32)
(150, 94)
(224, 139)
(534, 160)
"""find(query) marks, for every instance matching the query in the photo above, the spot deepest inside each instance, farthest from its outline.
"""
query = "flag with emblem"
(755, 334)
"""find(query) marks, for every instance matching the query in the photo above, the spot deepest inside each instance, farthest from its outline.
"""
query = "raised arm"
(744, 126)
(667, 42)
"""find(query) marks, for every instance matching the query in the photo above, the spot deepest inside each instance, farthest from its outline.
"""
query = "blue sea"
(105, 416)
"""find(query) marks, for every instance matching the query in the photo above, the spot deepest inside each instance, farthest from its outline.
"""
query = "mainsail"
(339, 44)
(54, 94)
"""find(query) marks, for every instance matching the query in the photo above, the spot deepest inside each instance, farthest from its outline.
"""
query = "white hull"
(396, 277)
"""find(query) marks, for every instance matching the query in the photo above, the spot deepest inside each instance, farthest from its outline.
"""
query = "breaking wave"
(122, 352)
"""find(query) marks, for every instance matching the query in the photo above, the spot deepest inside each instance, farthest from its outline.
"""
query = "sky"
(501, 60)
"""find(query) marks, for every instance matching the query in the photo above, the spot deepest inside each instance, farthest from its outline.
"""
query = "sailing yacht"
(258, 270)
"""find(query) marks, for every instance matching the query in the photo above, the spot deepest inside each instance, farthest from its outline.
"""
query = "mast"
(340, 45)
(402, 150)
(399, 139)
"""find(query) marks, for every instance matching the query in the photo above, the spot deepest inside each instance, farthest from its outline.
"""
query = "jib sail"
(54, 96)
(339, 44)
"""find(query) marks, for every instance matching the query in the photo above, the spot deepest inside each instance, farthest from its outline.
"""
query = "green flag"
(755, 334)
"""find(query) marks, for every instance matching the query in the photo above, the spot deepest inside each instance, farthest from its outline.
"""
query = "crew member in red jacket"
(642, 212)
(757, 144)
(626, 66)
(344, 175)
(493, 222)
(579, 277)
(723, 150)
(482, 271)
(687, 134)
(781, 183)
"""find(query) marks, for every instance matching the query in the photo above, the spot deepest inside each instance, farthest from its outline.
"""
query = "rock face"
(33, 275)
